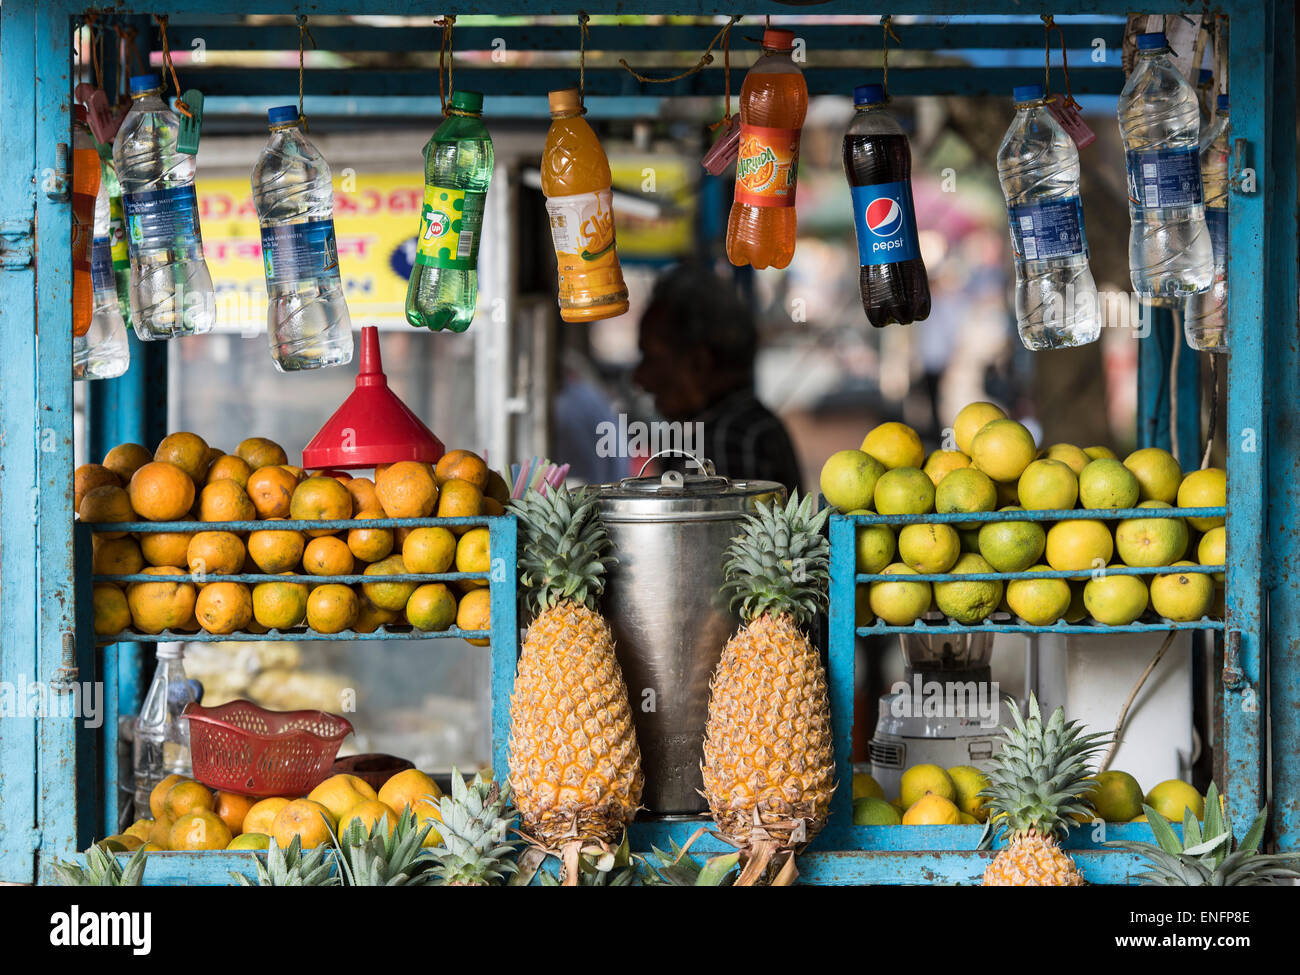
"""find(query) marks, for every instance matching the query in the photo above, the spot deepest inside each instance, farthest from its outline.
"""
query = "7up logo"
(437, 224)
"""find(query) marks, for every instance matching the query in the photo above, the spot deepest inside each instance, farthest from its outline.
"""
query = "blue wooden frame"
(37, 583)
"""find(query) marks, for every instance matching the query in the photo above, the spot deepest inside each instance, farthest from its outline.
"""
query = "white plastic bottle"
(102, 353)
(1170, 256)
(171, 290)
(307, 317)
(1205, 320)
(162, 737)
(1038, 167)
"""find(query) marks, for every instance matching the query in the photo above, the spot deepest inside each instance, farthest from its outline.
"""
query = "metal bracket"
(56, 180)
(16, 241)
(1241, 177)
(67, 674)
(1232, 675)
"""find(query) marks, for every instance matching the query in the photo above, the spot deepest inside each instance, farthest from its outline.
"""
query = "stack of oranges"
(186, 480)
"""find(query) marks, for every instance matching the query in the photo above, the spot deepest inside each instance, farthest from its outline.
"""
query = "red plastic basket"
(239, 747)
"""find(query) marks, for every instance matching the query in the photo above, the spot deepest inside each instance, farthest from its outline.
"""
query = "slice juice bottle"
(576, 181)
(773, 103)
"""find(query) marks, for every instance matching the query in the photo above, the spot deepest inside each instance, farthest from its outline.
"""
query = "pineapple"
(768, 768)
(292, 867)
(575, 768)
(1205, 857)
(1038, 784)
(475, 851)
(384, 857)
(101, 870)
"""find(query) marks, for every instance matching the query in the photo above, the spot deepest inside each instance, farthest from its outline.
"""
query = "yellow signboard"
(376, 218)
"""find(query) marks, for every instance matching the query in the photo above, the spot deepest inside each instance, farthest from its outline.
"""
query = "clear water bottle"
(162, 738)
(102, 353)
(307, 317)
(1038, 167)
(1170, 256)
(171, 290)
(1205, 319)
(120, 253)
(443, 290)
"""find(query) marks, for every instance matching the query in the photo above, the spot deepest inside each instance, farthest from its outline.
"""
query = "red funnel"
(372, 426)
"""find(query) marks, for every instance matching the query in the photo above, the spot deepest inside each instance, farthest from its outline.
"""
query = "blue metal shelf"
(295, 635)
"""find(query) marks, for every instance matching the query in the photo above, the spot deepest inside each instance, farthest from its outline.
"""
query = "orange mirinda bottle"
(773, 103)
(579, 202)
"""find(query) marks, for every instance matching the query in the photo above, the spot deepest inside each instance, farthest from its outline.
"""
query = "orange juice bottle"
(575, 179)
(85, 188)
(773, 103)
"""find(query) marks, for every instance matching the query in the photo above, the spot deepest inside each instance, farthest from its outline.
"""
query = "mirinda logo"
(757, 164)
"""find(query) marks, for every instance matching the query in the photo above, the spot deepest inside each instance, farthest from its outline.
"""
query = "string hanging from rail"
(886, 32)
(705, 59)
(167, 63)
(304, 34)
(126, 50)
(1050, 24)
(96, 45)
(583, 34)
(445, 59)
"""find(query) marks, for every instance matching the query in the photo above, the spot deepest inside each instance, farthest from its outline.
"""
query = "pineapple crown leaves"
(1204, 856)
(680, 869)
(374, 856)
(102, 869)
(564, 552)
(779, 561)
(1041, 776)
(292, 866)
(475, 825)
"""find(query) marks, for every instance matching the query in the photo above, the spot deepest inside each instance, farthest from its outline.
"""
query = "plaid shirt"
(746, 441)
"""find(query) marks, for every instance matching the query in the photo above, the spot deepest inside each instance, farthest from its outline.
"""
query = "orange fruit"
(161, 491)
(229, 467)
(363, 494)
(199, 830)
(158, 833)
(308, 820)
(89, 476)
(461, 465)
(188, 451)
(104, 504)
(370, 544)
(127, 458)
(493, 507)
(166, 548)
(232, 808)
(472, 555)
(270, 489)
(186, 796)
(160, 791)
(497, 489)
(474, 613)
(406, 490)
(370, 617)
(332, 608)
(431, 607)
(261, 815)
(411, 788)
(320, 499)
(225, 500)
(388, 595)
(430, 549)
(341, 792)
(279, 605)
(166, 604)
(259, 452)
(299, 475)
(224, 607)
(276, 550)
(367, 812)
(116, 556)
(110, 612)
(327, 556)
(459, 499)
(215, 553)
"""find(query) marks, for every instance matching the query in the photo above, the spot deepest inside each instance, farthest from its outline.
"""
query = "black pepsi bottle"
(878, 164)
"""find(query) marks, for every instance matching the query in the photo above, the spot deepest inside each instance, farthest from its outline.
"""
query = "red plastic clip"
(103, 118)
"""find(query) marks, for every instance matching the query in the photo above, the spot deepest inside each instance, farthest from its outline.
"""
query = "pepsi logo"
(884, 217)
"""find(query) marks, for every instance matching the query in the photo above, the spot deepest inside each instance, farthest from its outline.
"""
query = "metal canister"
(670, 618)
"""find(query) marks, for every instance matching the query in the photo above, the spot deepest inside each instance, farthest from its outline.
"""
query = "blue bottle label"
(1164, 178)
(161, 217)
(1046, 230)
(1216, 218)
(295, 251)
(885, 223)
(101, 265)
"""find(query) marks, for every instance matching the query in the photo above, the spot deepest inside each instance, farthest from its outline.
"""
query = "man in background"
(698, 341)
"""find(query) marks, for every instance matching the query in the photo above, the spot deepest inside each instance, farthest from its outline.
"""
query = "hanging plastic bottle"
(773, 103)
(102, 353)
(85, 188)
(306, 315)
(1205, 319)
(162, 737)
(580, 204)
(443, 290)
(171, 290)
(1170, 256)
(120, 254)
(1038, 167)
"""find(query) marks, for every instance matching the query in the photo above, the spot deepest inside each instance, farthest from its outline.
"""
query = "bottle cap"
(564, 101)
(1026, 93)
(868, 94)
(1221, 102)
(1152, 41)
(775, 39)
(1205, 76)
(142, 83)
(282, 115)
(466, 101)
